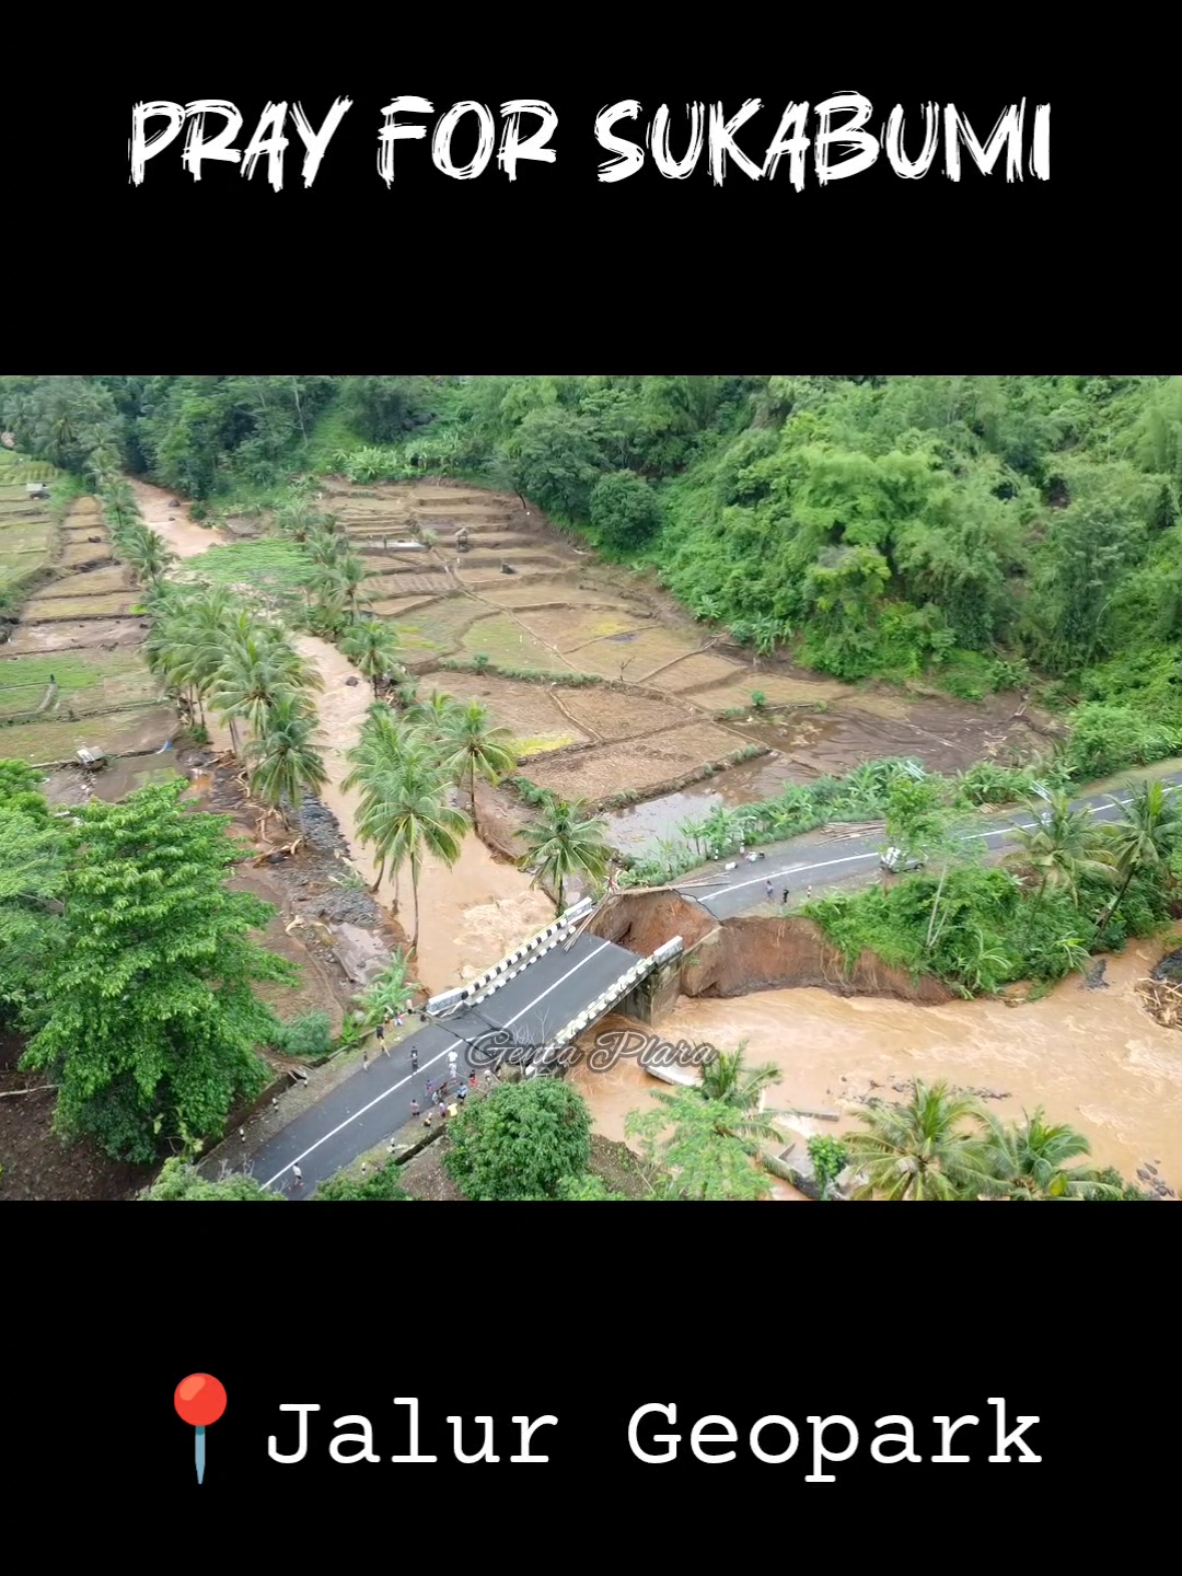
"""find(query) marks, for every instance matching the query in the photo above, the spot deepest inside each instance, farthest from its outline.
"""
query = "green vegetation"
(525, 1141)
(381, 1187)
(308, 1037)
(830, 1158)
(1074, 887)
(404, 813)
(987, 532)
(704, 1139)
(181, 1181)
(946, 1148)
(563, 842)
(137, 970)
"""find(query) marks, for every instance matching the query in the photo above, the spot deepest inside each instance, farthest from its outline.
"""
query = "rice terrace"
(578, 703)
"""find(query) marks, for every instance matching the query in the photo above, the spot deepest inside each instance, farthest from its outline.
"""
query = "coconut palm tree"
(728, 1079)
(148, 554)
(928, 1149)
(285, 762)
(1064, 846)
(373, 646)
(563, 842)
(196, 636)
(1027, 1160)
(256, 671)
(299, 518)
(1147, 837)
(473, 748)
(120, 509)
(434, 716)
(351, 574)
(404, 811)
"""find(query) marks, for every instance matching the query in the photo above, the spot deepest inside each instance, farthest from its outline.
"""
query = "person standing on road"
(414, 1108)
(414, 1060)
(462, 1093)
(365, 1058)
(297, 1176)
(381, 1034)
(784, 897)
(768, 886)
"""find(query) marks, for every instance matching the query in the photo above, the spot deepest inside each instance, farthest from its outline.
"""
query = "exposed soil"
(83, 634)
(634, 764)
(733, 957)
(37, 1165)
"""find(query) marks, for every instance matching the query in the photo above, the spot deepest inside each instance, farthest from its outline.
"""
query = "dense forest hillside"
(984, 532)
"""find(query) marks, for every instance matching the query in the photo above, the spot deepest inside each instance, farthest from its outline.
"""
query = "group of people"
(445, 1098)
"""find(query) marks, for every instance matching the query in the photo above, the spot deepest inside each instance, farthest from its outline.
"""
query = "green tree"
(178, 1180)
(31, 882)
(473, 748)
(1064, 846)
(928, 1149)
(373, 647)
(830, 1158)
(404, 813)
(728, 1080)
(522, 1142)
(1028, 1160)
(259, 668)
(392, 991)
(625, 510)
(914, 815)
(382, 1186)
(1147, 837)
(693, 1141)
(566, 842)
(151, 1024)
(284, 761)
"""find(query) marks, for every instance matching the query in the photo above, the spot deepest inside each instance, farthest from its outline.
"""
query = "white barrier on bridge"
(611, 997)
(508, 968)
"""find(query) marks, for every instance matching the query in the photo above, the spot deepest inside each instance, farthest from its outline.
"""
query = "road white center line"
(340, 1127)
(851, 859)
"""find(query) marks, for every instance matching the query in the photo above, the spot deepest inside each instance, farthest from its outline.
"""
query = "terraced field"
(71, 676)
(528, 599)
(26, 525)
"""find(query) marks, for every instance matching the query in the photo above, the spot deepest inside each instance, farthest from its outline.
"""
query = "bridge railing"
(484, 985)
(608, 999)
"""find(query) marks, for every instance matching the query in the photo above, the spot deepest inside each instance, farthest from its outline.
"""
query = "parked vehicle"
(898, 863)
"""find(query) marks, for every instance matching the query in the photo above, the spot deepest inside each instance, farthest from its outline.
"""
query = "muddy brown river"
(1093, 1059)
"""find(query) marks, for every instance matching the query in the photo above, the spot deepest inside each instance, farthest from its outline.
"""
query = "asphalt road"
(738, 890)
(374, 1102)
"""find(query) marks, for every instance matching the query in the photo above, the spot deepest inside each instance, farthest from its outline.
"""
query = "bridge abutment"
(656, 994)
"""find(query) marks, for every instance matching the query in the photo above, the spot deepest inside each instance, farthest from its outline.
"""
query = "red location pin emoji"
(200, 1400)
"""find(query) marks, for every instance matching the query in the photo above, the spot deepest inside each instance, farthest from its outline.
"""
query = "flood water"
(1093, 1059)
(470, 915)
(640, 829)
